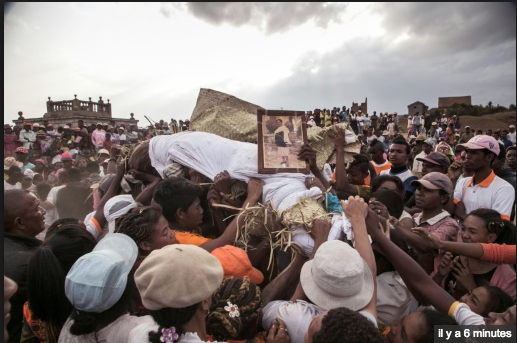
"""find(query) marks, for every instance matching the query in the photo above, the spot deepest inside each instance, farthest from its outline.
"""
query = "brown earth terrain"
(486, 122)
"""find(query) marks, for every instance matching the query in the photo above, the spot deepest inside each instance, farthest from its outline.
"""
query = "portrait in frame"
(281, 135)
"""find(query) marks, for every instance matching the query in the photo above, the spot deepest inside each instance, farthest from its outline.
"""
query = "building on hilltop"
(60, 113)
(415, 107)
(363, 106)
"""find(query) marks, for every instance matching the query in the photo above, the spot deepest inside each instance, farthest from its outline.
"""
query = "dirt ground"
(491, 121)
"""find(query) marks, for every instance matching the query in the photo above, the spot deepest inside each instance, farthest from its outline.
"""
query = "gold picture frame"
(281, 135)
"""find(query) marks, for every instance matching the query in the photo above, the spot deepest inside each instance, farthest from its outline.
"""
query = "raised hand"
(195, 176)
(444, 267)
(455, 170)
(461, 270)
(355, 207)
(424, 234)
(320, 229)
(339, 138)
(314, 182)
(255, 189)
(223, 182)
(379, 208)
(308, 154)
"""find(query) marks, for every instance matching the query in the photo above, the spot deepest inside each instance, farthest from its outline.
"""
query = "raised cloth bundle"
(230, 117)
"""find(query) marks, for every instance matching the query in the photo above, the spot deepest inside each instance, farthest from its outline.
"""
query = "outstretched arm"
(419, 283)
(111, 192)
(146, 195)
(356, 211)
(474, 250)
(308, 154)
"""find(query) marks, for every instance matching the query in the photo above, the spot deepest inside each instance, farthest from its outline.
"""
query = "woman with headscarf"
(445, 149)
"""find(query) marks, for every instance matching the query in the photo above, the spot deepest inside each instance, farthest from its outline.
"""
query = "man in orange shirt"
(378, 161)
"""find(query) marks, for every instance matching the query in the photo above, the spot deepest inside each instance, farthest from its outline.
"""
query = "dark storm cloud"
(272, 17)
(451, 27)
(392, 78)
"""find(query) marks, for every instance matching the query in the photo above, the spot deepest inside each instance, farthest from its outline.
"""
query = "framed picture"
(281, 135)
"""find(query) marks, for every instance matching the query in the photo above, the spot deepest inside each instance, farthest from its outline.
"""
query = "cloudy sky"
(153, 58)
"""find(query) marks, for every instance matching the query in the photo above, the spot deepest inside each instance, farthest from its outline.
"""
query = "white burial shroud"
(210, 154)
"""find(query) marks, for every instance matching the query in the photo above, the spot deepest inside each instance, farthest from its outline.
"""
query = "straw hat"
(11, 161)
(337, 277)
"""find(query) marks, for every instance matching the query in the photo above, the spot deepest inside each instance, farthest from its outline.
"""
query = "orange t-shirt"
(378, 169)
(190, 238)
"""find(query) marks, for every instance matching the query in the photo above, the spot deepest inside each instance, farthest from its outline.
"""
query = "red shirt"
(107, 145)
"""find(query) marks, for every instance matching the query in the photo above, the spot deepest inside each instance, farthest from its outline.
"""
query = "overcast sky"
(153, 58)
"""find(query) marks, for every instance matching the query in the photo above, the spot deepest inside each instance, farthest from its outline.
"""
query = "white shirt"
(118, 331)
(463, 315)
(52, 195)
(296, 315)
(511, 137)
(380, 138)
(493, 192)
(27, 138)
(393, 298)
(8, 186)
(52, 215)
(141, 334)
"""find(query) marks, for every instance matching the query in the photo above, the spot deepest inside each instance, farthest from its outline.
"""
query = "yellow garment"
(328, 119)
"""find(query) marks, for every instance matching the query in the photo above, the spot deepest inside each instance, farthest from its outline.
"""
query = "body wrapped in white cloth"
(210, 154)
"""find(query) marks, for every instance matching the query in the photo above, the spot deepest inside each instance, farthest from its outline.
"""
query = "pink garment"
(504, 278)
(9, 143)
(98, 138)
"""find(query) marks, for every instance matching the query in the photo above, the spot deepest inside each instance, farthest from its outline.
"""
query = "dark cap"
(435, 180)
(436, 158)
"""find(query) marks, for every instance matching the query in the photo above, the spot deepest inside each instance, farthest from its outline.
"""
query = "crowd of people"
(162, 234)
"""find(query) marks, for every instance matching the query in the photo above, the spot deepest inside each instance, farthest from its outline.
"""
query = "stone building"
(60, 113)
(415, 107)
(445, 102)
(363, 106)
